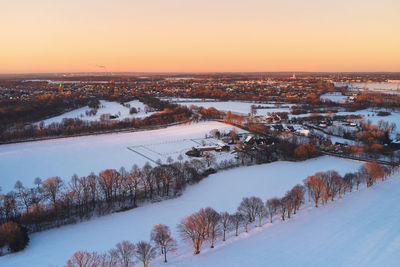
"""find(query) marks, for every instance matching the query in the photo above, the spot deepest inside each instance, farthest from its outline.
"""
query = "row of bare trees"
(55, 202)
(323, 186)
(207, 225)
(77, 126)
(126, 253)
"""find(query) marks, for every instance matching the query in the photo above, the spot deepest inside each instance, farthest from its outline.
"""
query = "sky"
(199, 35)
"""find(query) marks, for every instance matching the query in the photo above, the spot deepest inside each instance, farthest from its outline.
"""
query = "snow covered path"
(223, 191)
(360, 230)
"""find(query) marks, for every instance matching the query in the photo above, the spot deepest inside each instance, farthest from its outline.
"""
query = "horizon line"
(110, 73)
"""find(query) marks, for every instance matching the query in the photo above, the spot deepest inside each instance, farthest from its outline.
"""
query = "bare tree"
(123, 254)
(24, 195)
(107, 182)
(316, 187)
(145, 252)
(374, 172)
(259, 209)
(132, 184)
(282, 208)
(210, 158)
(271, 206)
(225, 222)
(331, 180)
(84, 259)
(237, 219)
(213, 227)
(246, 208)
(288, 202)
(193, 228)
(147, 179)
(161, 236)
(298, 196)
(349, 180)
(250, 207)
(340, 185)
(52, 187)
(92, 184)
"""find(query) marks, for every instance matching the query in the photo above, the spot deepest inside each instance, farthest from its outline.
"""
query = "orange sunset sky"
(199, 35)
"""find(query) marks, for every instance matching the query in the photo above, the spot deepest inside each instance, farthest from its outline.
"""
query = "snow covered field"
(334, 97)
(82, 155)
(223, 191)
(360, 230)
(371, 114)
(244, 108)
(240, 107)
(383, 87)
(106, 107)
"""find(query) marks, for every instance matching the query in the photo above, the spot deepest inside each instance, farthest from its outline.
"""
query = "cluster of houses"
(249, 142)
(274, 118)
(200, 150)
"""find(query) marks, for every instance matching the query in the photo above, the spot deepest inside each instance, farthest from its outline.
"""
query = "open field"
(382, 87)
(82, 155)
(359, 230)
(240, 107)
(244, 108)
(106, 107)
(334, 97)
(223, 191)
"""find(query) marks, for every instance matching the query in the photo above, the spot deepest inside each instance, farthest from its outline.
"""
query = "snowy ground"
(335, 139)
(82, 155)
(244, 108)
(106, 107)
(223, 191)
(334, 97)
(382, 87)
(240, 107)
(371, 114)
(360, 230)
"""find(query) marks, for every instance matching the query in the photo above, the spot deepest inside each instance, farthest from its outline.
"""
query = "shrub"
(14, 236)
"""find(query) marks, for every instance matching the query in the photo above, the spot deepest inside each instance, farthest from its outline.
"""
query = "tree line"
(126, 253)
(75, 126)
(206, 226)
(53, 202)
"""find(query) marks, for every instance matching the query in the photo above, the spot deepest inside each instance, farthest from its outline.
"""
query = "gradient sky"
(199, 35)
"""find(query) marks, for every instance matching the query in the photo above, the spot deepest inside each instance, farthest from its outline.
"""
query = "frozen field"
(82, 155)
(240, 107)
(334, 97)
(370, 114)
(223, 191)
(360, 230)
(244, 108)
(383, 87)
(106, 107)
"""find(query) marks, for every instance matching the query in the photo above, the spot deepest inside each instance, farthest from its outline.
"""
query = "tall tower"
(60, 89)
